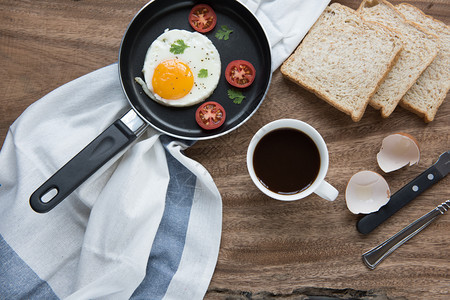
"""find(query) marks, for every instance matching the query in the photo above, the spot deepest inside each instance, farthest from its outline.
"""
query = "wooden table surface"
(269, 248)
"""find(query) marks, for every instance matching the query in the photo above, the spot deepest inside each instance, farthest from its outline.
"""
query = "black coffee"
(286, 161)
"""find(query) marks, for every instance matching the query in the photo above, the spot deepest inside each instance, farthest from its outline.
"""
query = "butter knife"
(373, 257)
(406, 194)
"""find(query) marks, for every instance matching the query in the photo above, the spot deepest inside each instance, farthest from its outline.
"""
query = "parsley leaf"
(236, 96)
(223, 33)
(178, 47)
(203, 73)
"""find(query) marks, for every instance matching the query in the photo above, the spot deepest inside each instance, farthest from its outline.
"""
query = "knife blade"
(406, 194)
(373, 257)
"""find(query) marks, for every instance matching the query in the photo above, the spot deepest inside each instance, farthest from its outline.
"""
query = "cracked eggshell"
(398, 150)
(366, 192)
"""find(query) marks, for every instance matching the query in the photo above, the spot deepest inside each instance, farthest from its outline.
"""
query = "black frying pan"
(248, 41)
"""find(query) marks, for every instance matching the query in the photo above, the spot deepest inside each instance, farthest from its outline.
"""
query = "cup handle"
(327, 191)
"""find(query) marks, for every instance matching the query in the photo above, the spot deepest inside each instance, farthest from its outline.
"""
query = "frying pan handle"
(110, 142)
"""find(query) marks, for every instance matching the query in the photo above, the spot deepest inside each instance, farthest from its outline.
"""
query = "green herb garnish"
(178, 47)
(223, 33)
(203, 73)
(236, 96)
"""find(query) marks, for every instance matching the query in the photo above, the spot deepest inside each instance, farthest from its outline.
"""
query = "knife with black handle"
(406, 194)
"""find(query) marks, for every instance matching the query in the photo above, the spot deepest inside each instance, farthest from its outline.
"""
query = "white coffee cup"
(319, 186)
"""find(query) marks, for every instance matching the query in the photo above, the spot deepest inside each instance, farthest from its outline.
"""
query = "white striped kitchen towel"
(148, 224)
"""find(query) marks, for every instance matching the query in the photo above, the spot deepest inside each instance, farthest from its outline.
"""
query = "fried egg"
(181, 68)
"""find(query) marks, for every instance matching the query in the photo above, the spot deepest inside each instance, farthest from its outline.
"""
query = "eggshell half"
(398, 150)
(366, 192)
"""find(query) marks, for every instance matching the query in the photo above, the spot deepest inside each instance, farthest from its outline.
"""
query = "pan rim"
(195, 138)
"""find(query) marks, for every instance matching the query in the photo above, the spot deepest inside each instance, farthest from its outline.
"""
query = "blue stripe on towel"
(17, 279)
(168, 246)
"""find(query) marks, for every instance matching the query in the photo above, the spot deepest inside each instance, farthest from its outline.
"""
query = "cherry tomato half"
(240, 73)
(210, 115)
(202, 18)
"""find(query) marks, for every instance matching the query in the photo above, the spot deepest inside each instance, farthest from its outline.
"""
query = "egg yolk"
(172, 79)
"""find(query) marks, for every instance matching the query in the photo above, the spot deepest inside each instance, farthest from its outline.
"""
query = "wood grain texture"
(269, 249)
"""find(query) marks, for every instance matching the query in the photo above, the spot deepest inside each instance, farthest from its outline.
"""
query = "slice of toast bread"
(430, 90)
(419, 50)
(343, 59)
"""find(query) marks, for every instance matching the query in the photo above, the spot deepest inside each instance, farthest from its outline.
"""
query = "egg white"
(201, 54)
